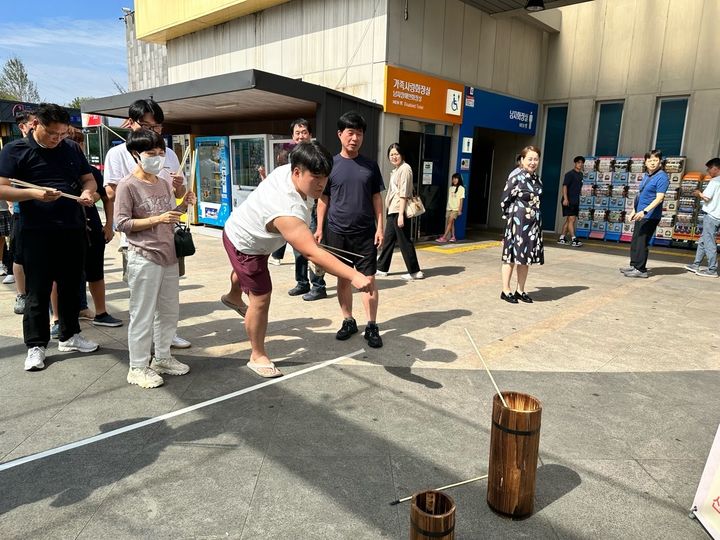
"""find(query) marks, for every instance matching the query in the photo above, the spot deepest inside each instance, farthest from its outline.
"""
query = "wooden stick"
(341, 250)
(191, 184)
(44, 188)
(324, 248)
(186, 153)
(487, 369)
(405, 499)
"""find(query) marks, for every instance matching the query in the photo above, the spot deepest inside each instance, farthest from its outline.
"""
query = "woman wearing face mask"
(523, 241)
(646, 214)
(145, 211)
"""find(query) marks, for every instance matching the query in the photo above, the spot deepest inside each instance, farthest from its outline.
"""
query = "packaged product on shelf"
(622, 164)
(586, 201)
(616, 203)
(605, 164)
(675, 164)
(590, 164)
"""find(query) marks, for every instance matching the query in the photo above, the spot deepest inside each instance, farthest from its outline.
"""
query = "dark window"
(671, 125)
(607, 136)
(552, 173)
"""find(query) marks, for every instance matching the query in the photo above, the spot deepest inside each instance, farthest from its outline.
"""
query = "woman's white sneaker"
(169, 366)
(77, 343)
(416, 275)
(144, 377)
(180, 343)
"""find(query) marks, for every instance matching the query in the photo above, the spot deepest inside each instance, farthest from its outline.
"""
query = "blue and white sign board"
(496, 111)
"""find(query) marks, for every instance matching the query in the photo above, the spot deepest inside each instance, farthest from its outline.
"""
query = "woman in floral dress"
(523, 242)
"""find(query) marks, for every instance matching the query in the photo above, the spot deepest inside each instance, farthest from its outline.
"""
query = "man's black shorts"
(362, 244)
(16, 239)
(571, 210)
(95, 256)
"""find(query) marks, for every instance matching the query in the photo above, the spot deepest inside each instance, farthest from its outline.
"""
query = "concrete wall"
(637, 51)
(339, 44)
(147, 62)
(451, 39)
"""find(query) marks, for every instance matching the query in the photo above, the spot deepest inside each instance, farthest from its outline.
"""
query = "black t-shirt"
(59, 168)
(351, 186)
(573, 181)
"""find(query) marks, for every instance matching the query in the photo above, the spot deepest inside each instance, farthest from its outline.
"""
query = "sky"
(70, 48)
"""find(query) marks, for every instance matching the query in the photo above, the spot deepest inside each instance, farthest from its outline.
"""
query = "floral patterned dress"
(523, 241)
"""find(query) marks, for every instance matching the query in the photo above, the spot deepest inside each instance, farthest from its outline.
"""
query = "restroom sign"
(467, 145)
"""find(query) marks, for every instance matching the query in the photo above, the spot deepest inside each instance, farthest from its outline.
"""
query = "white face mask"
(152, 164)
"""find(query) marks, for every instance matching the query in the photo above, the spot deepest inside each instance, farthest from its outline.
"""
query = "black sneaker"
(315, 294)
(105, 319)
(562, 240)
(576, 243)
(372, 335)
(300, 288)
(349, 327)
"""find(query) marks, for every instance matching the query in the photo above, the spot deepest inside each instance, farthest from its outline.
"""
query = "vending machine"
(247, 154)
(212, 178)
(280, 152)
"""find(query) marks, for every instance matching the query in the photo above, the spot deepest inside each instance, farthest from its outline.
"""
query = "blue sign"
(495, 111)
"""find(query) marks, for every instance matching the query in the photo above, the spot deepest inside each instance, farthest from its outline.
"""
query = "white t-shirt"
(119, 163)
(276, 196)
(712, 190)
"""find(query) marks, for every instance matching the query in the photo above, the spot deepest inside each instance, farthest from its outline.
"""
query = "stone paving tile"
(628, 417)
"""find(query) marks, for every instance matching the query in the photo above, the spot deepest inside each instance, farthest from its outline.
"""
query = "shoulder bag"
(414, 207)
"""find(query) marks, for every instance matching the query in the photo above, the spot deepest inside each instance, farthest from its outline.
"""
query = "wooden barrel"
(514, 443)
(432, 516)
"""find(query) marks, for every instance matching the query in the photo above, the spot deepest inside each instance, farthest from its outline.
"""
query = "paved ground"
(627, 371)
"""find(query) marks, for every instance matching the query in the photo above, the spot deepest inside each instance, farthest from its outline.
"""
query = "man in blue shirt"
(354, 209)
(646, 214)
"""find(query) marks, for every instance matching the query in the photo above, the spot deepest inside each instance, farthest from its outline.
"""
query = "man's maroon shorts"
(251, 270)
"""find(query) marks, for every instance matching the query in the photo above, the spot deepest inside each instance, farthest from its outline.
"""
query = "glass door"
(247, 154)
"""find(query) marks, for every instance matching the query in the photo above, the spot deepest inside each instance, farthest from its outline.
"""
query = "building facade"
(595, 77)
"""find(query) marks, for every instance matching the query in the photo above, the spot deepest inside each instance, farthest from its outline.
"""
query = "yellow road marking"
(461, 248)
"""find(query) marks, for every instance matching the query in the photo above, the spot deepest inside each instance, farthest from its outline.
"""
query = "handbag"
(414, 207)
(184, 245)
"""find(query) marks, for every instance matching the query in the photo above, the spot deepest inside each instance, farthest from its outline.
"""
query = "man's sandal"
(265, 370)
(241, 309)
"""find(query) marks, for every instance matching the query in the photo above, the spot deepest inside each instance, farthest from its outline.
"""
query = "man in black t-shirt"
(354, 210)
(572, 185)
(52, 227)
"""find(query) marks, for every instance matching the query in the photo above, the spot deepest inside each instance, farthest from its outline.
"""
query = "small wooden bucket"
(514, 443)
(432, 516)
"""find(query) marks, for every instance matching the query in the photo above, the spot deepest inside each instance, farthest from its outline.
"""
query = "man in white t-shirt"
(119, 163)
(707, 245)
(278, 211)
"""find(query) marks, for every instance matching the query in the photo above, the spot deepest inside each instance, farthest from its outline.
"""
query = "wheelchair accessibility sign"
(452, 105)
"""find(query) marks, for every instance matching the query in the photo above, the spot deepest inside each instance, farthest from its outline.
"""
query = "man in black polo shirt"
(52, 227)
(572, 185)
(354, 210)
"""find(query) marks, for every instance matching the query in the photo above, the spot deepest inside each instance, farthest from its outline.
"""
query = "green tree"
(76, 102)
(15, 83)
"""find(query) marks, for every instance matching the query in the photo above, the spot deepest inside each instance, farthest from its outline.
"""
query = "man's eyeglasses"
(153, 127)
(51, 133)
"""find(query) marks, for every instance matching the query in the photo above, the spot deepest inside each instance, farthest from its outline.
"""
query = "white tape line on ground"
(138, 425)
